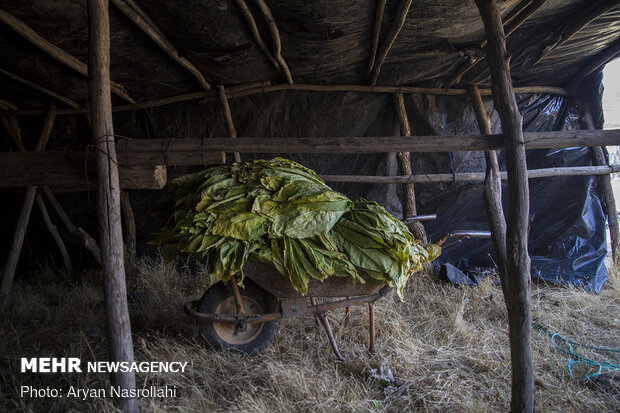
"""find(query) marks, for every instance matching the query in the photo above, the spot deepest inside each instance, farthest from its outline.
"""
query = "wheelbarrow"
(248, 320)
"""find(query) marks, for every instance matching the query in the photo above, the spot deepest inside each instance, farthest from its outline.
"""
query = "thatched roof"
(322, 42)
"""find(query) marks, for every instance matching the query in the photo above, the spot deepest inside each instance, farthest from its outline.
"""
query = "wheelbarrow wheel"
(251, 338)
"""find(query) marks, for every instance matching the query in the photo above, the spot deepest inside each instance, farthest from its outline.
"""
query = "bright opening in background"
(611, 111)
(611, 95)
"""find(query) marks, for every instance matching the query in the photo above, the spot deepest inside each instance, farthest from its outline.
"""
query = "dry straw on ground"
(443, 349)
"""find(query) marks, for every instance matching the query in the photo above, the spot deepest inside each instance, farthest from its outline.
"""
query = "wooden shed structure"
(111, 96)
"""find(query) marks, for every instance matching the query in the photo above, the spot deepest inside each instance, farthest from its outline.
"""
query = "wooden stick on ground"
(492, 192)
(375, 34)
(275, 39)
(154, 33)
(249, 18)
(24, 216)
(518, 261)
(228, 116)
(57, 53)
(390, 37)
(108, 200)
(404, 165)
(41, 89)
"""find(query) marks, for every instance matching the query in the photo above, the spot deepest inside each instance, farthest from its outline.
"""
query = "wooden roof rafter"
(42, 89)
(513, 21)
(593, 12)
(249, 18)
(390, 37)
(56, 52)
(275, 39)
(611, 52)
(141, 20)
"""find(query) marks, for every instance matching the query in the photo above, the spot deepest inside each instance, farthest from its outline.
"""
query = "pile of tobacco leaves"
(282, 213)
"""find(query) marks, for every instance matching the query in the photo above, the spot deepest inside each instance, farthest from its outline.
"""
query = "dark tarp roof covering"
(323, 41)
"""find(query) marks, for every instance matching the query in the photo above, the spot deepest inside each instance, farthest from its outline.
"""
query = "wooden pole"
(517, 220)
(130, 224)
(16, 247)
(228, 117)
(492, 193)
(472, 176)
(390, 37)
(154, 33)
(54, 51)
(108, 199)
(605, 190)
(24, 215)
(55, 234)
(154, 150)
(404, 165)
(239, 92)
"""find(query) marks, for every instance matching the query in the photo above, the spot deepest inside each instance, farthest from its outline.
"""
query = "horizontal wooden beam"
(472, 176)
(67, 170)
(179, 148)
(239, 91)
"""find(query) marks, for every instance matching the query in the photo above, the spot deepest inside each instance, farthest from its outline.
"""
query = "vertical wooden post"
(605, 190)
(16, 247)
(492, 192)
(108, 198)
(404, 166)
(517, 220)
(24, 216)
(228, 117)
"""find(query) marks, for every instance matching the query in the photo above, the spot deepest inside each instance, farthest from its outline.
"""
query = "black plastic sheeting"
(567, 241)
(567, 232)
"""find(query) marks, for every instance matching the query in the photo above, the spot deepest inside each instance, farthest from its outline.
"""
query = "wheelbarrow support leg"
(371, 327)
(330, 335)
(347, 315)
(316, 317)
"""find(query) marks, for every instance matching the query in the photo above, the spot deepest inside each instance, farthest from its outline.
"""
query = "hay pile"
(446, 349)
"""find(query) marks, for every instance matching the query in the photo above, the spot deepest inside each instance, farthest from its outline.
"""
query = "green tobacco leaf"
(282, 213)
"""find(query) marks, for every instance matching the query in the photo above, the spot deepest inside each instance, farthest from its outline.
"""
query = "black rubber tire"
(256, 300)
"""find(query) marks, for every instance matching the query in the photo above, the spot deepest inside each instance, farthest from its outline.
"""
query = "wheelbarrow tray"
(270, 279)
